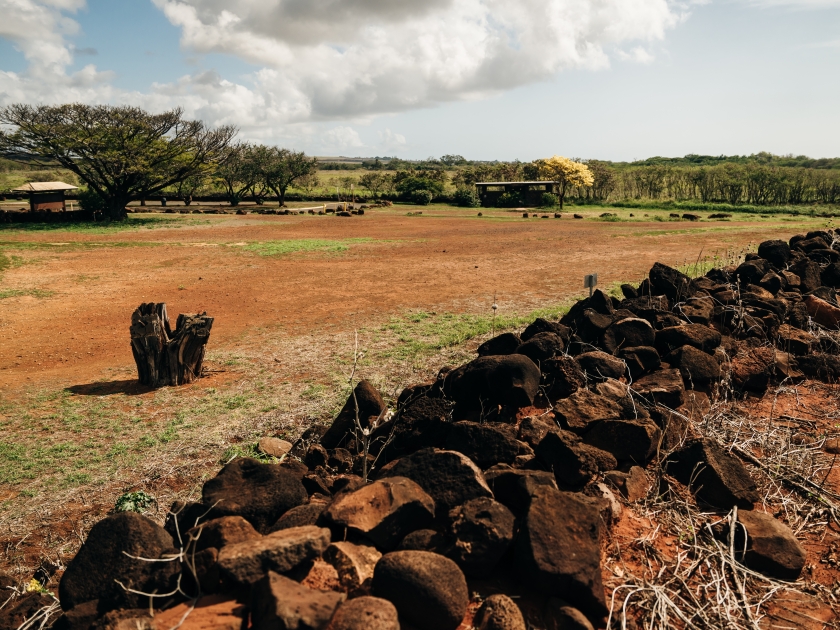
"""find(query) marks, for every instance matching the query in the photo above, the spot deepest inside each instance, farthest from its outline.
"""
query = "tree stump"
(164, 357)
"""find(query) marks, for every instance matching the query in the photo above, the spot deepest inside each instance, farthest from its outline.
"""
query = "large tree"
(565, 173)
(239, 171)
(280, 168)
(120, 153)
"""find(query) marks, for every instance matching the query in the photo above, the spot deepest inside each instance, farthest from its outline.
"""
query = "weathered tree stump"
(164, 357)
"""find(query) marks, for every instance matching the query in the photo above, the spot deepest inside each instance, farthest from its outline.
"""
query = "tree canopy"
(567, 173)
(121, 153)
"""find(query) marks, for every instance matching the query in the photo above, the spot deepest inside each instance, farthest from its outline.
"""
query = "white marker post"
(590, 281)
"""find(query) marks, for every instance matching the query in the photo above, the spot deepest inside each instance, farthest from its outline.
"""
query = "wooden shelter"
(530, 192)
(45, 196)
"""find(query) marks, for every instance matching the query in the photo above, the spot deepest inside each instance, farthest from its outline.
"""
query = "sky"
(486, 79)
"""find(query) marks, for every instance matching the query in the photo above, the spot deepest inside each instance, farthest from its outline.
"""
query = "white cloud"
(341, 60)
(795, 4)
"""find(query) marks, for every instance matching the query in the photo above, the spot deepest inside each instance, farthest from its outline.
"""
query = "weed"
(138, 501)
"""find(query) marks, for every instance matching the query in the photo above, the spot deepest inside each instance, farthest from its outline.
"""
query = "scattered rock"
(633, 485)
(572, 461)
(220, 532)
(499, 612)
(511, 380)
(506, 343)
(532, 430)
(580, 411)
(562, 376)
(598, 365)
(278, 602)
(428, 590)
(697, 335)
(353, 563)
(422, 423)
(481, 532)
(628, 333)
(275, 447)
(514, 488)
(300, 516)
(664, 388)
(365, 613)
(383, 511)
(698, 368)
(485, 444)
(559, 615)
(627, 440)
(369, 403)
(772, 548)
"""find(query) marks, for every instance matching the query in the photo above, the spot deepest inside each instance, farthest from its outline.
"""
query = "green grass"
(697, 206)
(36, 293)
(293, 246)
(131, 222)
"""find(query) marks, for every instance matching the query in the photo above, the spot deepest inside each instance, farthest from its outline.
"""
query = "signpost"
(590, 281)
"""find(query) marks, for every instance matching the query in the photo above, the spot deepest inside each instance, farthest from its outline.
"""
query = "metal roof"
(544, 181)
(44, 187)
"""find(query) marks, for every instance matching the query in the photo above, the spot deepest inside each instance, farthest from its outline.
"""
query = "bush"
(90, 201)
(509, 200)
(466, 198)
(549, 200)
(422, 197)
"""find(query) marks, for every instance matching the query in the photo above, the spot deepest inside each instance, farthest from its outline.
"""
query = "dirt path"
(451, 261)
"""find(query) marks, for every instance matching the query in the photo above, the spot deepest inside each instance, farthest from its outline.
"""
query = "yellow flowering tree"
(566, 173)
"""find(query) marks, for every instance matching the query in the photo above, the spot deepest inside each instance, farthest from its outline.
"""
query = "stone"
(212, 612)
(353, 563)
(751, 271)
(428, 590)
(103, 559)
(15, 613)
(772, 548)
(260, 493)
(365, 613)
(810, 244)
(370, 405)
(786, 367)
(776, 252)
(716, 477)
(275, 447)
(580, 411)
(824, 367)
(668, 281)
(830, 275)
(664, 387)
(627, 440)
(558, 549)
(773, 283)
(183, 516)
(598, 365)
(572, 462)
(640, 360)
(449, 477)
(511, 380)
(532, 430)
(423, 540)
(795, 341)
(485, 444)
(278, 602)
(346, 483)
(315, 484)
(79, 617)
(541, 347)
(220, 532)
(559, 615)
(627, 333)
(697, 368)
(809, 275)
(699, 310)
(822, 312)
(481, 531)
(562, 376)
(340, 460)
(514, 487)
(541, 325)
(422, 423)
(499, 612)
(701, 337)
(608, 505)
(383, 511)
(506, 343)
(633, 485)
(309, 514)
(752, 369)
(311, 436)
(248, 562)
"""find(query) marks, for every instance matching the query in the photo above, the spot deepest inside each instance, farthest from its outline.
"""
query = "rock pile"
(504, 470)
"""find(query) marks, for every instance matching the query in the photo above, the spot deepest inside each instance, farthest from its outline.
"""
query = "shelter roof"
(44, 187)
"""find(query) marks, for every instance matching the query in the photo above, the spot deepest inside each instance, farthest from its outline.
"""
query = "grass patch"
(294, 246)
(103, 227)
(697, 206)
(36, 293)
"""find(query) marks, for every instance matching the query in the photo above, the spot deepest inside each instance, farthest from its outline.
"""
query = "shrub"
(548, 200)
(422, 197)
(134, 502)
(509, 200)
(90, 201)
(466, 198)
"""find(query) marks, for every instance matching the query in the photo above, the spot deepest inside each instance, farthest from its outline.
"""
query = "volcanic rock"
(776, 252)
(698, 368)
(511, 380)
(506, 343)
(428, 590)
(664, 387)
(697, 335)
(422, 423)
(542, 346)
(598, 365)
(485, 444)
(640, 360)
(219, 532)
(278, 602)
(514, 487)
(752, 369)
(627, 440)
(562, 376)
(499, 612)
(308, 514)
(369, 403)
(772, 548)
(559, 615)
(667, 281)
(541, 325)
(275, 447)
(572, 461)
(353, 563)
(481, 531)
(365, 613)
(629, 332)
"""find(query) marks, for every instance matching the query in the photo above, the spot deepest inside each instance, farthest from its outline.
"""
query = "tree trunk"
(164, 357)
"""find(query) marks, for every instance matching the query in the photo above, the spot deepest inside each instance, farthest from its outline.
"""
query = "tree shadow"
(131, 387)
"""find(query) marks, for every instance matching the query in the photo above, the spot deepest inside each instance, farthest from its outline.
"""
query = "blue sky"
(488, 79)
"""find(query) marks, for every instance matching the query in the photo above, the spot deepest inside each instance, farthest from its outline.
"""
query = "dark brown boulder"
(558, 549)
(300, 516)
(795, 341)
(580, 411)
(559, 615)
(183, 516)
(629, 441)
(311, 436)
(222, 531)
(572, 461)
(16, 612)
(105, 558)
(776, 252)
(364, 399)
(511, 380)
(424, 540)
(480, 532)
(627, 333)
(809, 274)
(281, 603)
(698, 368)
(668, 281)
(541, 347)
(830, 276)
(533, 429)
(562, 376)
(422, 423)
(499, 612)
(698, 310)
(697, 335)
(598, 365)
(428, 590)
(260, 493)
(383, 511)
(365, 613)
(485, 444)
(449, 477)
(753, 368)
(506, 343)
(716, 477)
(664, 387)
(541, 325)
(772, 548)
(824, 367)
(514, 487)
(640, 360)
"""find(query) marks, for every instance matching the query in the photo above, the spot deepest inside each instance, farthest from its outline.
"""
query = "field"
(289, 294)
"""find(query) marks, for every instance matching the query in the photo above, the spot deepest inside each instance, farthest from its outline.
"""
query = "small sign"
(590, 281)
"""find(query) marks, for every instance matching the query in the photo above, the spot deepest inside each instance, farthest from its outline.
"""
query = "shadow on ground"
(130, 387)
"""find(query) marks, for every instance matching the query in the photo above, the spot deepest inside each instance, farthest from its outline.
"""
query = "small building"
(46, 196)
(529, 192)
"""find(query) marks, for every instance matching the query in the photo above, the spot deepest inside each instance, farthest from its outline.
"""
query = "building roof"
(44, 187)
(544, 181)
